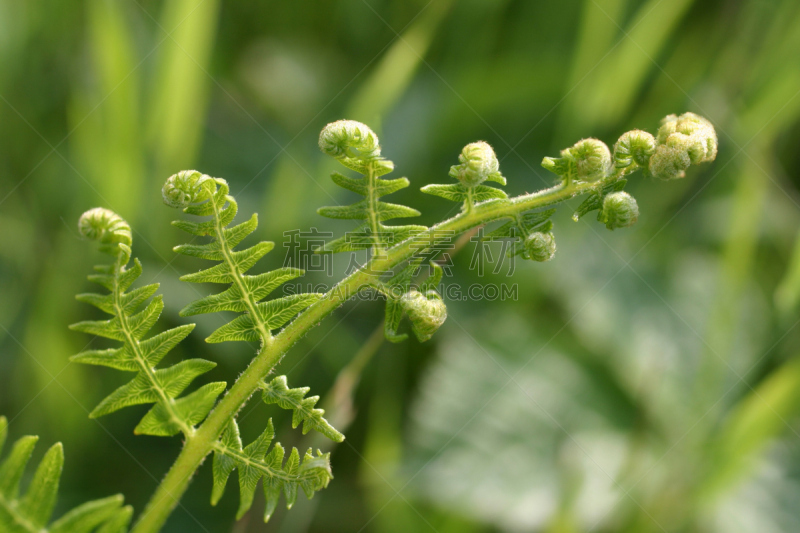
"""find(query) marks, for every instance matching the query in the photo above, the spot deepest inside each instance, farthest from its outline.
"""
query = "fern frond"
(277, 391)
(254, 463)
(477, 164)
(356, 147)
(31, 512)
(204, 196)
(128, 324)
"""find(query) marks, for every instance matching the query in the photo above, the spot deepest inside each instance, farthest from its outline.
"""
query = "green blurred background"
(644, 380)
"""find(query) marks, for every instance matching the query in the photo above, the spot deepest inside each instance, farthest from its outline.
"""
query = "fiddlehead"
(170, 415)
(31, 511)
(477, 164)
(356, 147)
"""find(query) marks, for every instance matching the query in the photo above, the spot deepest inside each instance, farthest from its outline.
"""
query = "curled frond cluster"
(398, 253)
(31, 511)
(682, 140)
(186, 187)
(586, 160)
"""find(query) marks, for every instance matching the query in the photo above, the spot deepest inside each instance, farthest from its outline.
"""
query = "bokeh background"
(644, 380)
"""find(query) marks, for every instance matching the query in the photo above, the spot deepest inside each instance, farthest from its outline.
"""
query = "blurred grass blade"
(608, 93)
(758, 418)
(395, 71)
(787, 294)
(379, 93)
(105, 115)
(180, 91)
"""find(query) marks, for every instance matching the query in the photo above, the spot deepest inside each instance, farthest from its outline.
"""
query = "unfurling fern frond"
(477, 164)
(31, 512)
(277, 391)
(424, 307)
(254, 463)
(204, 196)
(356, 147)
(129, 325)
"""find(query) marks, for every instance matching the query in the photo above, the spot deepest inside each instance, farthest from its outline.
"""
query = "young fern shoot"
(207, 420)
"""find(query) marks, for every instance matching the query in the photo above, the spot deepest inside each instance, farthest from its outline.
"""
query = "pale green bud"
(337, 138)
(634, 147)
(540, 246)
(586, 160)
(477, 163)
(592, 159)
(669, 162)
(185, 187)
(427, 312)
(682, 141)
(620, 210)
(104, 225)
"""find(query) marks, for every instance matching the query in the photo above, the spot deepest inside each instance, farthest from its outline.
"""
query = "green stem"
(203, 441)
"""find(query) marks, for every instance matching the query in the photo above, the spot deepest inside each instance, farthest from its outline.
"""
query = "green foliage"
(130, 325)
(256, 462)
(201, 195)
(31, 511)
(278, 392)
(356, 147)
(585, 168)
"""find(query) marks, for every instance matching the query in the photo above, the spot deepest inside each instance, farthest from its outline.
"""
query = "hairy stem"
(204, 440)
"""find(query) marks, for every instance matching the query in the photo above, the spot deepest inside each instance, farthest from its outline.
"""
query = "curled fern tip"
(186, 187)
(477, 163)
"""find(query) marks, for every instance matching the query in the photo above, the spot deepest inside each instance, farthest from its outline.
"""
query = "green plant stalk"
(199, 445)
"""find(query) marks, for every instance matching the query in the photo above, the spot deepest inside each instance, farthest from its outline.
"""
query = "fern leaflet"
(277, 391)
(31, 512)
(311, 474)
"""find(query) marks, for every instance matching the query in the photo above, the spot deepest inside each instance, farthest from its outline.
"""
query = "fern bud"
(184, 188)
(337, 138)
(427, 312)
(477, 163)
(104, 225)
(620, 210)
(592, 159)
(586, 160)
(682, 141)
(634, 147)
(540, 246)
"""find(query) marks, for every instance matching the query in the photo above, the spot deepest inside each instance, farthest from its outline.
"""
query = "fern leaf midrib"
(19, 519)
(252, 309)
(374, 221)
(279, 474)
(166, 401)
